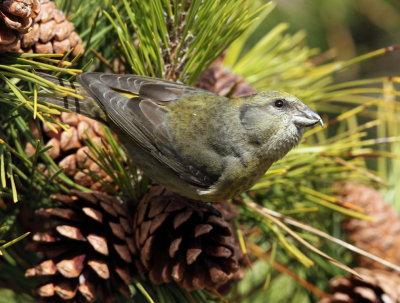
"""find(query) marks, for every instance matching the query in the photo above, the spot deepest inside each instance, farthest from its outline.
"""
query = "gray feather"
(143, 118)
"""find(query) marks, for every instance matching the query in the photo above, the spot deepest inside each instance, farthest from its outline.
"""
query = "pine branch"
(178, 40)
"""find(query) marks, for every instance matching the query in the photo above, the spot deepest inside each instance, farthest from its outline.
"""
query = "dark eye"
(279, 103)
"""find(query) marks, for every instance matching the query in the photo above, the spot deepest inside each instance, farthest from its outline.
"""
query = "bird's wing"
(156, 89)
(139, 106)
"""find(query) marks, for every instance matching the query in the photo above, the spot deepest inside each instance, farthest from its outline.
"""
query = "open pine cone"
(88, 249)
(177, 243)
(36, 26)
(16, 18)
(382, 237)
(376, 286)
(70, 152)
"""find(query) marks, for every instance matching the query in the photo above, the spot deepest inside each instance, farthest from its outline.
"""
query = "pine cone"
(49, 31)
(218, 80)
(88, 248)
(178, 243)
(376, 286)
(382, 237)
(70, 152)
(16, 18)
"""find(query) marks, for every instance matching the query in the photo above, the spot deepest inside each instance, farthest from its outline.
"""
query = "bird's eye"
(279, 103)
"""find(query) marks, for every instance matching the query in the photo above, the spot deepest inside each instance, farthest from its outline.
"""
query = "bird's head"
(275, 121)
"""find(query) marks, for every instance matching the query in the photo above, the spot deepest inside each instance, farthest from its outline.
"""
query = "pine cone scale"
(123, 252)
(70, 232)
(174, 247)
(46, 290)
(192, 254)
(117, 230)
(99, 244)
(159, 273)
(49, 237)
(157, 221)
(182, 218)
(94, 214)
(100, 267)
(202, 229)
(66, 290)
(71, 268)
(62, 213)
(45, 268)
(144, 232)
(178, 270)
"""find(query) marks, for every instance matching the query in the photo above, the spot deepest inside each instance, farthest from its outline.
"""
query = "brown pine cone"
(376, 286)
(220, 81)
(87, 247)
(382, 237)
(49, 31)
(16, 18)
(71, 153)
(177, 243)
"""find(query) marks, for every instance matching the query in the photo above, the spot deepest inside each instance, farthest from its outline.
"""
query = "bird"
(195, 143)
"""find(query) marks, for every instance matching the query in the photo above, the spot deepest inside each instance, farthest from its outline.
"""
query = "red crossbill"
(193, 142)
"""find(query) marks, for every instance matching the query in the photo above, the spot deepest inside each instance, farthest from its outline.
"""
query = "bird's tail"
(88, 106)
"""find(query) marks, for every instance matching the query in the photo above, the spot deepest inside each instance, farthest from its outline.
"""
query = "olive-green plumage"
(195, 143)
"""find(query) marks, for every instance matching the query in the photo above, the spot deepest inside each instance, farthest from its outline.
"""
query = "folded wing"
(139, 106)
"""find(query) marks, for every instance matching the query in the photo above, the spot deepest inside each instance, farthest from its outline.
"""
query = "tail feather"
(88, 106)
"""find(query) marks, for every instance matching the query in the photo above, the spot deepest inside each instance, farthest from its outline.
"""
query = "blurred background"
(346, 29)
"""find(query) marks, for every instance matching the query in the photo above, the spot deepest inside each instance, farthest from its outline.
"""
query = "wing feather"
(146, 87)
(146, 122)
